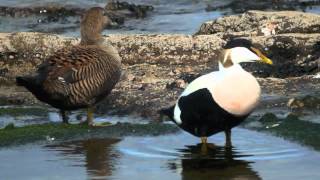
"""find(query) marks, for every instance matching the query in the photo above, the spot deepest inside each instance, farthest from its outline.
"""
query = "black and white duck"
(220, 100)
(78, 76)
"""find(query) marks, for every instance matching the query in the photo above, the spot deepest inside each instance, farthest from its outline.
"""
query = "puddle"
(178, 156)
(29, 115)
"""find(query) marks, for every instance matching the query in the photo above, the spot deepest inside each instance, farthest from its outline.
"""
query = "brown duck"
(78, 76)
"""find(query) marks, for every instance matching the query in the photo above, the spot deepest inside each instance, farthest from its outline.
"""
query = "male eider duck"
(222, 99)
(78, 76)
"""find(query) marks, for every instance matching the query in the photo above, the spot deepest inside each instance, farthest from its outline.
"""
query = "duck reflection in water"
(100, 156)
(214, 163)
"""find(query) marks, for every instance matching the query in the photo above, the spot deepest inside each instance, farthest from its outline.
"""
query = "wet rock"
(61, 132)
(133, 10)
(289, 38)
(10, 126)
(306, 102)
(155, 73)
(52, 11)
(269, 118)
(251, 22)
(294, 103)
(68, 17)
(290, 127)
(241, 6)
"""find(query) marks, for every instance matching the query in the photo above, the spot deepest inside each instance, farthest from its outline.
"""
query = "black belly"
(202, 116)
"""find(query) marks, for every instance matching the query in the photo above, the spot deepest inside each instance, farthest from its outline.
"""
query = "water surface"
(176, 156)
(182, 17)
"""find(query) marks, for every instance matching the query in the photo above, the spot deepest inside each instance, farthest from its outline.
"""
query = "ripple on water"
(177, 156)
(245, 147)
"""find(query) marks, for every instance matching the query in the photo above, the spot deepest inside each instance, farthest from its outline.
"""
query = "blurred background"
(133, 16)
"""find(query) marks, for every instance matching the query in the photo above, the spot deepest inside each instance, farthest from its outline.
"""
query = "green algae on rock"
(290, 128)
(63, 132)
(17, 111)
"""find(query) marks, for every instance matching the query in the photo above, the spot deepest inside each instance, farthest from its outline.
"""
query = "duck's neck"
(234, 67)
(91, 39)
(103, 44)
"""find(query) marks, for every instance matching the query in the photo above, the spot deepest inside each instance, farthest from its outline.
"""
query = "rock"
(241, 6)
(269, 118)
(251, 22)
(53, 12)
(149, 78)
(305, 102)
(291, 39)
(179, 83)
(158, 67)
(138, 11)
(131, 77)
(294, 103)
(69, 16)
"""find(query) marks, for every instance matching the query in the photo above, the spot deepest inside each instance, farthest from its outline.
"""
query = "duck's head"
(92, 24)
(241, 50)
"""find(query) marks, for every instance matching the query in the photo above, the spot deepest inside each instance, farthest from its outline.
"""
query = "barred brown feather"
(78, 76)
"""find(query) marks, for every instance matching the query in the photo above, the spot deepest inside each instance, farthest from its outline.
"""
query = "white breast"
(238, 92)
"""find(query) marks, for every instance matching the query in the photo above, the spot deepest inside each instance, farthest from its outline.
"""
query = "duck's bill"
(262, 57)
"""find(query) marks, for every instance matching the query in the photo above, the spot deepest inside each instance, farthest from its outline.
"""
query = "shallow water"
(177, 156)
(167, 17)
(183, 16)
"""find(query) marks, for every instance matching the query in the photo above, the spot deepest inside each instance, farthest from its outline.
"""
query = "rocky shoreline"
(119, 12)
(157, 67)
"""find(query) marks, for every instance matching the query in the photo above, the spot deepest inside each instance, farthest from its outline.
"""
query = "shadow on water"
(213, 162)
(100, 157)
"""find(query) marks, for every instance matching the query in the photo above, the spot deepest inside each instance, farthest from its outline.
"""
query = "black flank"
(202, 116)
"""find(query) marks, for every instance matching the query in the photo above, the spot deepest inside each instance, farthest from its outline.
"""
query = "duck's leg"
(228, 138)
(64, 117)
(204, 140)
(90, 116)
(204, 147)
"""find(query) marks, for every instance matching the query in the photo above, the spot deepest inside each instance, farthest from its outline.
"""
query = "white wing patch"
(205, 81)
(177, 114)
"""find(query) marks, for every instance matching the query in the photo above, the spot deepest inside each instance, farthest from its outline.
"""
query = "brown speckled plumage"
(78, 76)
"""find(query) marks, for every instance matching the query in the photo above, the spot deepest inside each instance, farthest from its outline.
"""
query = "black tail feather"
(21, 81)
(28, 82)
(167, 112)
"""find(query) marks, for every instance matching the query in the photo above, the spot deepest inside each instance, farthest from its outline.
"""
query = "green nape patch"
(18, 111)
(43, 132)
(290, 128)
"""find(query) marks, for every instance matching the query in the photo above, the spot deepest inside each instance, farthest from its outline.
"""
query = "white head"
(241, 50)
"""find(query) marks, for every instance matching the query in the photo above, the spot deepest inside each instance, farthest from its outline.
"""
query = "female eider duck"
(78, 76)
(220, 100)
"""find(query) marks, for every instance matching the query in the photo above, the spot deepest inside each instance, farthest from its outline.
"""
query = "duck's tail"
(166, 112)
(29, 82)
(22, 81)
